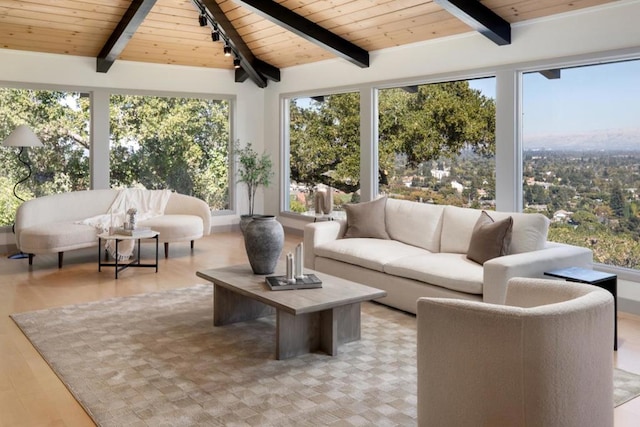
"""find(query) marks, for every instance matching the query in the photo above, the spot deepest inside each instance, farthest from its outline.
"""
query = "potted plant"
(263, 235)
(254, 170)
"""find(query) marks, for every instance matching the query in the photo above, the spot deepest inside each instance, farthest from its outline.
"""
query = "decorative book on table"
(280, 283)
(138, 231)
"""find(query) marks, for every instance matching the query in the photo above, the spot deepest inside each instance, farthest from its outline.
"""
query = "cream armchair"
(543, 359)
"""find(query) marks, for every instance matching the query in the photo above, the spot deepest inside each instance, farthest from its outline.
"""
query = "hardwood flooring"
(31, 394)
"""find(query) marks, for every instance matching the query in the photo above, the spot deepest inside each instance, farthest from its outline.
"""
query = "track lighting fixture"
(215, 35)
(202, 20)
(227, 50)
(236, 62)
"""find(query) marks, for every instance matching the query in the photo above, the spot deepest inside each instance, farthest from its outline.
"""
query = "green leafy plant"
(254, 170)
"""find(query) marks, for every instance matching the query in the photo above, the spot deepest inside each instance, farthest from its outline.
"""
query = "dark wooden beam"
(480, 18)
(257, 70)
(551, 74)
(126, 28)
(308, 30)
(410, 89)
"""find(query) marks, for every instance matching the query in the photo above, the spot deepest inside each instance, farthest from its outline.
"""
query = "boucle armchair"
(543, 359)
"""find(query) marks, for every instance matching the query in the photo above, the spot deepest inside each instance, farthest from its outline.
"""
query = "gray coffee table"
(307, 320)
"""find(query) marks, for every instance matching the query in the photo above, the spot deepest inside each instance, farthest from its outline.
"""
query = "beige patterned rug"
(155, 359)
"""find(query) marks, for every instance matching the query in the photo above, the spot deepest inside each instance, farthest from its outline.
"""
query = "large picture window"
(581, 153)
(437, 143)
(61, 122)
(181, 144)
(324, 153)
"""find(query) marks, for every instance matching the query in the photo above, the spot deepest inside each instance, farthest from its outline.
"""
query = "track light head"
(227, 50)
(236, 63)
(215, 35)
(202, 20)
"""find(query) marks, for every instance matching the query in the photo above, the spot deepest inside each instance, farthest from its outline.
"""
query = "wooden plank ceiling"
(170, 32)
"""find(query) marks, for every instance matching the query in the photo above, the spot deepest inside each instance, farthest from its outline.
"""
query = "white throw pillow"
(413, 223)
(457, 227)
(529, 232)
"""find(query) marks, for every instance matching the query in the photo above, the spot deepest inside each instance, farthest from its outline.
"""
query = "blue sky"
(584, 99)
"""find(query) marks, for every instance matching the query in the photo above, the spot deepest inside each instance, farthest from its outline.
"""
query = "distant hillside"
(611, 139)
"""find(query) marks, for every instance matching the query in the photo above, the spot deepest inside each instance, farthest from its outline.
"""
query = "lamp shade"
(22, 136)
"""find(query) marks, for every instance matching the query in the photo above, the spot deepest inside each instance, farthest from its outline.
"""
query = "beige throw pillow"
(366, 219)
(490, 239)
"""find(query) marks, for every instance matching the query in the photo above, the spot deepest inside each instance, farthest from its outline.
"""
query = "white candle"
(299, 261)
(290, 268)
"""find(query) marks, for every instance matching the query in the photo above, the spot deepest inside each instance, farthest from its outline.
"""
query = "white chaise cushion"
(175, 228)
(57, 237)
(529, 231)
(448, 270)
(457, 228)
(368, 253)
(417, 224)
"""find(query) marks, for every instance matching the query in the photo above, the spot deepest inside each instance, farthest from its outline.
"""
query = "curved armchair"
(542, 359)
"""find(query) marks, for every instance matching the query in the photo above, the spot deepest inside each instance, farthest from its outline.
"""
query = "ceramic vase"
(263, 240)
(244, 221)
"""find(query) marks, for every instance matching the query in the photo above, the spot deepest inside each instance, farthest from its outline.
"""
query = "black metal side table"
(597, 278)
(119, 266)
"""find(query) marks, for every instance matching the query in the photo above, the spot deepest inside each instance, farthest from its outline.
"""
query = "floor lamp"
(21, 137)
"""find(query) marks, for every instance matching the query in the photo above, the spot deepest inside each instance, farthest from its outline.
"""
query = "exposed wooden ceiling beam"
(480, 18)
(125, 29)
(551, 74)
(258, 71)
(308, 30)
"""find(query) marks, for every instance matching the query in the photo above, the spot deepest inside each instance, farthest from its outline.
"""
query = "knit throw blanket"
(148, 203)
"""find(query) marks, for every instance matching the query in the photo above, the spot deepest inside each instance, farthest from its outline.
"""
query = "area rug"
(155, 359)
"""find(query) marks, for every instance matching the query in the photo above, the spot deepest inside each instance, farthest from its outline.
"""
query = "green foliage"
(8, 202)
(296, 205)
(325, 142)
(60, 119)
(254, 170)
(177, 143)
(156, 142)
(439, 121)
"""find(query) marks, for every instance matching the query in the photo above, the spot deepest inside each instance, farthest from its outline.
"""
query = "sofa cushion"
(367, 253)
(457, 227)
(175, 228)
(490, 239)
(529, 232)
(417, 224)
(366, 219)
(57, 237)
(448, 270)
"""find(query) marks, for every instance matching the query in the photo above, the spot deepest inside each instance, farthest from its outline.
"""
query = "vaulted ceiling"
(264, 35)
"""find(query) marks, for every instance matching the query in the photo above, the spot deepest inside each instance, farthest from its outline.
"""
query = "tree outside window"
(181, 144)
(324, 149)
(61, 121)
(437, 143)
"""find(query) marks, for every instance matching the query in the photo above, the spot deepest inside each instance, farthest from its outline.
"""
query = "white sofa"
(426, 253)
(51, 224)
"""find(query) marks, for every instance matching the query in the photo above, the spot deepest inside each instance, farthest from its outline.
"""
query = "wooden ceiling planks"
(171, 34)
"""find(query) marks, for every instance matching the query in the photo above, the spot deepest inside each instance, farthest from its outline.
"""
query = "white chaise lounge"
(52, 224)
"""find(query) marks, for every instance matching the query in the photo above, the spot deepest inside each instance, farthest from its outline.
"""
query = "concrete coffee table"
(307, 320)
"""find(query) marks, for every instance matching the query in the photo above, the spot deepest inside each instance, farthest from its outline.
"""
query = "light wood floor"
(31, 394)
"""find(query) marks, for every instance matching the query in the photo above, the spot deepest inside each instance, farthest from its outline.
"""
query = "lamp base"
(19, 255)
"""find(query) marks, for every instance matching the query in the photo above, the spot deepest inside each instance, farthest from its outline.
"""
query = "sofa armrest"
(182, 204)
(498, 271)
(318, 233)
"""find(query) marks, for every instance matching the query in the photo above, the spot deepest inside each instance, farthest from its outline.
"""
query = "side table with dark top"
(602, 280)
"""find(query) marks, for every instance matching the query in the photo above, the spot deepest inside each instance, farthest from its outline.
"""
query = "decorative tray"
(279, 283)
